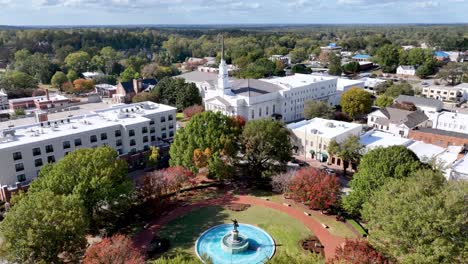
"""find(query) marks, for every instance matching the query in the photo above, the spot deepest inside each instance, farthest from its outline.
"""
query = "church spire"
(223, 77)
(222, 47)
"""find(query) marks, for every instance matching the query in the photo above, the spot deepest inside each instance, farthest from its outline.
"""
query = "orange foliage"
(115, 249)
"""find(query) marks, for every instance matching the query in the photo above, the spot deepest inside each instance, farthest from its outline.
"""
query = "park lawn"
(336, 228)
(285, 230)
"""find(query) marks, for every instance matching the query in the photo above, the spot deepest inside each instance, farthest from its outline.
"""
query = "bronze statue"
(235, 223)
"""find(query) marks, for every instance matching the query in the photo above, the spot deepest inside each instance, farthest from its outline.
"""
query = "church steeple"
(223, 77)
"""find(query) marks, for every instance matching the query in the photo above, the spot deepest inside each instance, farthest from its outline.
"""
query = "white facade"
(406, 70)
(449, 121)
(3, 100)
(396, 121)
(343, 85)
(126, 128)
(444, 93)
(312, 137)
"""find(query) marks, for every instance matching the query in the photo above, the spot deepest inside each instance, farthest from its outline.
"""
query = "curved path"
(329, 241)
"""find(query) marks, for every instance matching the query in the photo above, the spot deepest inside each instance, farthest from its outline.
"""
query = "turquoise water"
(261, 245)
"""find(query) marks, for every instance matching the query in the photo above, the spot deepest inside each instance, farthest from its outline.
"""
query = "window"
(66, 144)
(19, 167)
(103, 136)
(132, 142)
(93, 138)
(171, 126)
(151, 122)
(274, 109)
(163, 119)
(144, 130)
(17, 156)
(163, 128)
(50, 159)
(49, 148)
(118, 133)
(77, 142)
(145, 139)
(38, 162)
(131, 133)
(21, 177)
(120, 151)
(170, 118)
(252, 113)
(164, 135)
(133, 150)
(118, 143)
(171, 133)
(36, 151)
(152, 130)
(260, 112)
(153, 138)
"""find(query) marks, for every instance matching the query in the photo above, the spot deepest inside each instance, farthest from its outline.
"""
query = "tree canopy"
(313, 109)
(12, 80)
(113, 250)
(349, 150)
(176, 92)
(356, 102)
(388, 57)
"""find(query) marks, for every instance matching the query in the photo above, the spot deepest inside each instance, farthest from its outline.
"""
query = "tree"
(206, 130)
(299, 55)
(94, 175)
(190, 111)
(420, 219)
(13, 80)
(37, 65)
(201, 157)
(397, 89)
(178, 177)
(419, 56)
(334, 64)
(313, 109)
(265, 147)
(282, 181)
(153, 157)
(58, 80)
(357, 252)
(129, 74)
(384, 101)
(72, 76)
(351, 67)
(83, 85)
(388, 57)
(301, 68)
(153, 70)
(143, 97)
(107, 59)
(78, 61)
(356, 102)
(426, 69)
(452, 73)
(176, 92)
(349, 150)
(41, 225)
(377, 167)
(315, 188)
(113, 250)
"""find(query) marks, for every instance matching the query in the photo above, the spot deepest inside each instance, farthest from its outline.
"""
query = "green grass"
(285, 230)
(357, 226)
(335, 227)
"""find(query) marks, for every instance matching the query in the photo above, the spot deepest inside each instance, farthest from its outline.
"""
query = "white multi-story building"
(444, 93)
(450, 121)
(129, 129)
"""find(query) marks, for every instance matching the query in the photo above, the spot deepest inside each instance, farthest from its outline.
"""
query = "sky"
(126, 12)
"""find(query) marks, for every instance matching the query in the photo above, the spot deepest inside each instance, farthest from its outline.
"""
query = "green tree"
(388, 57)
(351, 68)
(153, 157)
(78, 61)
(211, 130)
(94, 175)
(265, 147)
(72, 75)
(107, 60)
(377, 167)
(41, 225)
(129, 74)
(452, 73)
(384, 101)
(299, 55)
(58, 80)
(426, 69)
(421, 219)
(349, 150)
(153, 70)
(356, 102)
(334, 64)
(176, 92)
(143, 97)
(397, 89)
(12, 80)
(301, 68)
(37, 65)
(313, 109)
(419, 56)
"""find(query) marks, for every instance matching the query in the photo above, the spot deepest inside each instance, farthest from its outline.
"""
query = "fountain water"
(233, 242)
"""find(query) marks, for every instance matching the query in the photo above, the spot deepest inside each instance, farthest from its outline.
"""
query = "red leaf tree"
(239, 121)
(111, 250)
(315, 188)
(357, 252)
(192, 110)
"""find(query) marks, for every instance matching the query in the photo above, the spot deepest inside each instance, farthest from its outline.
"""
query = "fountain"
(235, 244)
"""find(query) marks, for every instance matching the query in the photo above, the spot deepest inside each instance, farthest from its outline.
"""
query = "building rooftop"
(198, 76)
(297, 80)
(407, 67)
(399, 116)
(441, 54)
(361, 56)
(420, 101)
(324, 127)
(341, 83)
(424, 151)
(374, 139)
(123, 114)
(461, 168)
(441, 132)
(52, 97)
(253, 87)
(106, 86)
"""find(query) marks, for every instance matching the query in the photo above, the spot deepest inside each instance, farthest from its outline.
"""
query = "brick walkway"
(329, 241)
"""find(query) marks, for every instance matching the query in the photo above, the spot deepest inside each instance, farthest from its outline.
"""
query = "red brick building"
(439, 137)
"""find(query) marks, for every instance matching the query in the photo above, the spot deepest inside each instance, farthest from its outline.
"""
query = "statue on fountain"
(235, 223)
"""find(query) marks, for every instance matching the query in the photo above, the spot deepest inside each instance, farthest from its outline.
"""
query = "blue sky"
(116, 12)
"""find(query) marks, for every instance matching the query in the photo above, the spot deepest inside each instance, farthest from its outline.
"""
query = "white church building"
(281, 97)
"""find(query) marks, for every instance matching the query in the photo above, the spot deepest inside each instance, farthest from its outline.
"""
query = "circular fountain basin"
(258, 245)
(234, 246)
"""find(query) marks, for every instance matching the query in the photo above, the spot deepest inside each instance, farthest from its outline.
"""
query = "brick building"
(439, 137)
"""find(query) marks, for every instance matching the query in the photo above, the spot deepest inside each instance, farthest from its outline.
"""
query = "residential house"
(428, 105)
(126, 90)
(397, 121)
(406, 70)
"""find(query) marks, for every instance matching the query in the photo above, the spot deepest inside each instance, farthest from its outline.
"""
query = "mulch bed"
(238, 207)
(313, 245)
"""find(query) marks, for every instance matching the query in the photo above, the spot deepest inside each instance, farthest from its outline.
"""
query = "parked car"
(330, 171)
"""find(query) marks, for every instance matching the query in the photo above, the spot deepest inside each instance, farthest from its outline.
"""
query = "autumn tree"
(117, 249)
(193, 110)
(265, 147)
(419, 219)
(356, 102)
(376, 168)
(153, 157)
(42, 225)
(349, 150)
(282, 181)
(83, 85)
(357, 252)
(201, 157)
(315, 188)
(313, 109)
(239, 121)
